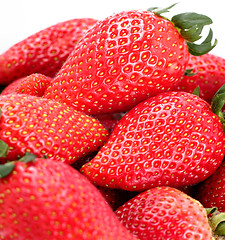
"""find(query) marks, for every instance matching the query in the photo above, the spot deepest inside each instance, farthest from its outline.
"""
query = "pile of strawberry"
(113, 130)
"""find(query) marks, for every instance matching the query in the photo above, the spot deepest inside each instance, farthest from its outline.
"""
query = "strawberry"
(165, 213)
(125, 59)
(43, 52)
(47, 128)
(34, 84)
(208, 73)
(46, 199)
(211, 192)
(171, 139)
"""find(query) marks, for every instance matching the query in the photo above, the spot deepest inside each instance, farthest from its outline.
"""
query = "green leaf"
(218, 100)
(217, 223)
(196, 91)
(204, 47)
(189, 72)
(217, 104)
(210, 210)
(28, 157)
(158, 11)
(192, 34)
(189, 19)
(3, 148)
(6, 169)
(191, 25)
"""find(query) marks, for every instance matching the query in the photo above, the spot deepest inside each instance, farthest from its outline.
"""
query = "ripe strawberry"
(123, 60)
(50, 200)
(47, 128)
(211, 192)
(209, 75)
(171, 139)
(43, 52)
(34, 84)
(165, 213)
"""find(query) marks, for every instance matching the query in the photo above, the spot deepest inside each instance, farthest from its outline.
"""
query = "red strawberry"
(165, 213)
(50, 200)
(170, 139)
(43, 52)
(209, 75)
(212, 191)
(34, 84)
(123, 60)
(47, 128)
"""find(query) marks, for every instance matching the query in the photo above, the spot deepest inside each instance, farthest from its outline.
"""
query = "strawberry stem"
(217, 222)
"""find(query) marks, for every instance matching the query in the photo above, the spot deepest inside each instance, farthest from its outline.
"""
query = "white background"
(21, 18)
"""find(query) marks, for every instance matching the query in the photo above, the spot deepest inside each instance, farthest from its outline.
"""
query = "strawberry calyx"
(217, 222)
(196, 91)
(217, 104)
(3, 146)
(7, 168)
(3, 149)
(190, 26)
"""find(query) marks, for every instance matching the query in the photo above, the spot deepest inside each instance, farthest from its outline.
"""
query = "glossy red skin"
(211, 192)
(172, 139)
(50, 200)
(43, 52)
(209, 75)
(34, 84)
(47, 128)
(121, 61)
(165, 213)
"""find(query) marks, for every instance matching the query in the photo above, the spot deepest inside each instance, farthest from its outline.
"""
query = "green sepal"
(158, 11)
(189, 72)
(196, 91)
(217, 104)
(3, 146)
(28, 157)
(6, 169)
(210, 210)
(191, 25)
(217, 223)
(204, 47)
(3, 149)
(218, 100)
